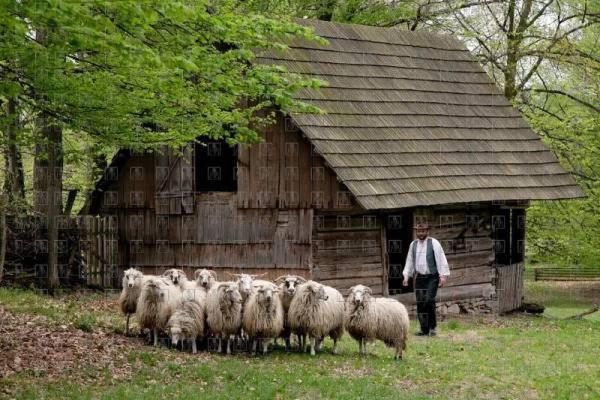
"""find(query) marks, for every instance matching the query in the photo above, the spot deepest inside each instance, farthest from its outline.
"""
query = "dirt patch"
(31, 344)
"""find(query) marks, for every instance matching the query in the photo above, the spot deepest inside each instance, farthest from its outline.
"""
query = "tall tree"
(138, 75)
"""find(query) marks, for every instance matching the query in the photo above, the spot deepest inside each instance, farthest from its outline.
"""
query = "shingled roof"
(412, 119)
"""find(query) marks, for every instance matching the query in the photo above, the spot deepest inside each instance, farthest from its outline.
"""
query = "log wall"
(347, 251)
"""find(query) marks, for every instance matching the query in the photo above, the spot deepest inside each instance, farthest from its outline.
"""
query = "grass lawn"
(510, 357)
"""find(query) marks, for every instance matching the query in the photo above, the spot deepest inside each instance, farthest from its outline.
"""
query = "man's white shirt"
(420, 262)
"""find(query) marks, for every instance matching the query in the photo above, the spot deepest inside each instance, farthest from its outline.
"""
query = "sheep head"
(316, 291)
(175, 275)
(289, 283)
(360, 294)
(132, 277)
(245, 282)
(230, 292)
(265, 293)
(205, 278)
(175, 333)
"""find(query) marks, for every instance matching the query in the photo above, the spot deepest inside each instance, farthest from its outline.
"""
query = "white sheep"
(287, 290)
(205, 278)
(224, 311)
(132, 284)
(187, 323)
(317, 311)
(369, 318)
(246, 282)
(178, 278)
(158, 300)
(263, 315)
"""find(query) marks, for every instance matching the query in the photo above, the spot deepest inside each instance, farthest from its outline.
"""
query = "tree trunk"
(3, 232)
(48, 188)
(14, 181)
(48, 183)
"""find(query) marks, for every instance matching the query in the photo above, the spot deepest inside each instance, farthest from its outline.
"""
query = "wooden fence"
(100, 244)
(566, 274)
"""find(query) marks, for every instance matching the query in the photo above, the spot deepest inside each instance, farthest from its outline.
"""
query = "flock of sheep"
(259, 311)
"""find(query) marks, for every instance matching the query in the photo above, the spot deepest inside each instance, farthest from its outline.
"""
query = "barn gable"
(412, 119)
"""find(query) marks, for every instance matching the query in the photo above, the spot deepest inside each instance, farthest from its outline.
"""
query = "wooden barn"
(414, 130)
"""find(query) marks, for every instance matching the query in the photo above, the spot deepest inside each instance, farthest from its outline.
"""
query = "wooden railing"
(566, 274)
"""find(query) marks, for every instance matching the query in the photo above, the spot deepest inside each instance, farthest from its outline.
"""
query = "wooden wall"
(283, 171)
(347, 251)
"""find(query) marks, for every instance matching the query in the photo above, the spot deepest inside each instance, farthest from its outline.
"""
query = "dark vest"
(429, 256)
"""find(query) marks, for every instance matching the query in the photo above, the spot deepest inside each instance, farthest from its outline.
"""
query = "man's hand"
(405, 281)
(443, 280)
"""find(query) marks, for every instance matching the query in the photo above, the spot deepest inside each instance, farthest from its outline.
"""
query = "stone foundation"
(478, 305)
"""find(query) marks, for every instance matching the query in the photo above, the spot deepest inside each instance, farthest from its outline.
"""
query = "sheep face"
(175, 275)
(317, 291)
(206, 278)
(176, 335)
(360, 294)
(245, 284)
(230, 293)
(290, 283)
(265, 294)
(132, 277)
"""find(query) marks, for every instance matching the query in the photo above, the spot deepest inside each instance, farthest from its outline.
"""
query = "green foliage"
(139, 75)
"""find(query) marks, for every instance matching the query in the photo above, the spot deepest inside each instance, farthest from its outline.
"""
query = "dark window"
(398, 232)
(508, 233)
(216, 167)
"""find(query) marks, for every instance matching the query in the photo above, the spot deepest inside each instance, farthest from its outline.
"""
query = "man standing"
(427, 262)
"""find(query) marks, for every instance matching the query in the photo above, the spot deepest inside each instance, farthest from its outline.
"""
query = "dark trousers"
(426, 287)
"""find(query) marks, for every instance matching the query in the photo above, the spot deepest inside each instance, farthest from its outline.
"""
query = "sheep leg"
(334, 350)
(127, 325)
(398, 355)
(228, 345)
(265, 346)
(155, 334)
(320, 343)
(288, 344)
(313, 343)
(360, 346)
(220, 348)
(194, 348)
(254, 346)
(364, 346)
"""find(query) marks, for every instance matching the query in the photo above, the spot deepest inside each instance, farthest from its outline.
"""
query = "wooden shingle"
(412, 119)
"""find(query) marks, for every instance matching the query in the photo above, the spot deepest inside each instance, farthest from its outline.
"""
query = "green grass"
(513, 357)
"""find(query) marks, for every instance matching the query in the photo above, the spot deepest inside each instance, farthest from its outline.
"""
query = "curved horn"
(196, 274)
(230, 274)
(282, 277)
(258, 275)
(214, 275)
(301, 279)
(167, 272)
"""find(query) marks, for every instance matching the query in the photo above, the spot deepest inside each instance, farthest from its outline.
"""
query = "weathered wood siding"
(465, 233)
(347, 251)
(284, 171)
(509, 287)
